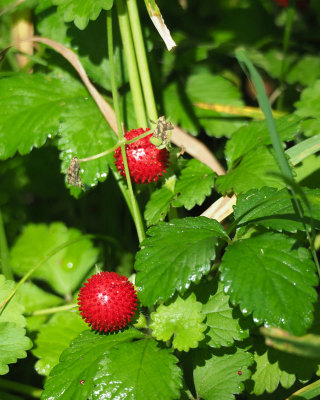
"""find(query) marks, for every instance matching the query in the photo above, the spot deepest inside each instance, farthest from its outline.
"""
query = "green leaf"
(203, 87)
(31, 106)
(80, 11)
(55, 337)
(255, 170)
(73, 377)
(177, 111)
(34, 298)
(149, 373)
(158, 206)
(195, 183)
(256, 133)
(65, 269)
(274, 209)
(273, 367)
(13, 345)
(224, 321)
(174, 255)
(309, 106)
(212, 89)
(50, 24)
(305, 70)
(299, 68)
(267, 278)
(85, 133)
(13, 311)
(182, 319)
(220, 374)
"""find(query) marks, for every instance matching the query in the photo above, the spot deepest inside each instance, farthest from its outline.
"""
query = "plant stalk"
(135, 209)
(18, 387)
(142, 59)
(131, 61)
(290, 13)
(53, 310)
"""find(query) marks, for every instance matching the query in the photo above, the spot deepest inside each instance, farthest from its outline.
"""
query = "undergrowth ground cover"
(161, 159)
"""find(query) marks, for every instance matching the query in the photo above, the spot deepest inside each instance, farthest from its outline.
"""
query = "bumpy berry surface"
(146, 163)
(107, 301)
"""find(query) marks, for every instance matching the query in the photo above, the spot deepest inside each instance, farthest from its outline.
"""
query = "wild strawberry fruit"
(107, 301)
(146, 162)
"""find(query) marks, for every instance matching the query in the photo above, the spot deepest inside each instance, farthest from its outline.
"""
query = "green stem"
(135, 209)
(112, 149)
(53, 310)
(286, 43)
(33, 269)
(142, 59)
(131, 61)
(4, 252)
(20, 388)
(264, 104)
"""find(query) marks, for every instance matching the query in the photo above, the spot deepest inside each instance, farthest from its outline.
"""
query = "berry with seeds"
(107, 301)
(146, 163)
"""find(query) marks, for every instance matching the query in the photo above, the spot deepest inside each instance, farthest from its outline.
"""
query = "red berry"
(146, 162)
(107, 301)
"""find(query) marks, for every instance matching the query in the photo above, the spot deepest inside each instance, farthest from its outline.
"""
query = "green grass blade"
(264, 104)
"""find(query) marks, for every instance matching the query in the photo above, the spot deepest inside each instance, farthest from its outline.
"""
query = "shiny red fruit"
(146, 162)
(107, 301)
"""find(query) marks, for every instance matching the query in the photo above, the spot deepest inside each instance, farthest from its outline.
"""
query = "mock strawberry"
(107, 301)
(146, 162)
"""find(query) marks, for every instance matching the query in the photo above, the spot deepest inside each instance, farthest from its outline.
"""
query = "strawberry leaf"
(150, 373)
(174, 255)
(195, 183)
(176, 111)
(80, 11)
(94, 59)
(31, 107)
(13, 311)
(63, 270)
(224, 321)
(33, 298)
(255, 170)
(13, 345)
(256, 133)
(273, 367)
(77, 140)
(204, 87)
(73, 377)
(267, 278)
(158, 206)
(54, 337)
(274, 209)
(220, 374)
(308, 106)
(182, 319)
